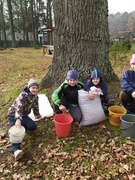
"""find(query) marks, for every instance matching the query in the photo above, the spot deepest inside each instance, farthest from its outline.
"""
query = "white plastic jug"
(16, 134)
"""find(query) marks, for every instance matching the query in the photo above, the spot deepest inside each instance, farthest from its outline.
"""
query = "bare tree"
(3, 23)
(81, 40)
(11, 23)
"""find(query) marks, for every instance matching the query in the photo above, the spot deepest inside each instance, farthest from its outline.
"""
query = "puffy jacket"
(66, 93)
(23, 104)
(127, 81)
(102, 85)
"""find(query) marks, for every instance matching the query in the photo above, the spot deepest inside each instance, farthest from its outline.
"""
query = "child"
(96, 85)
(97, 82)
(127, 81)
(20, 109)
(66, 96)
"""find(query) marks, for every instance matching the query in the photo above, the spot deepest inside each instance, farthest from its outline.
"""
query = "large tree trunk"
(81, 40)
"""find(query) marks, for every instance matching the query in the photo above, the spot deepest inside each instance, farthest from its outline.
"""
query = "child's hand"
(62, 108)
(133, 94)
(98, 90)
(18, 123)
(91, 95)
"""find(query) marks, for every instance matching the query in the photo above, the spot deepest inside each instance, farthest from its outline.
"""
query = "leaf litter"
(95, 152)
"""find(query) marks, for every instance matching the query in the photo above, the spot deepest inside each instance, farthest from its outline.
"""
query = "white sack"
(45, 108)
(92, 110)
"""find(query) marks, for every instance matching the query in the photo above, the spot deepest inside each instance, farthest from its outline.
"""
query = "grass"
(16, 68)
(94, 152)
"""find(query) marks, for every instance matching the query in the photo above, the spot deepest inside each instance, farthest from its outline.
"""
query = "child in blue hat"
(65, 97)
(96, 85)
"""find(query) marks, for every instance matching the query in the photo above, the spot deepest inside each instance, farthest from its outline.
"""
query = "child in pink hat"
(127, 81)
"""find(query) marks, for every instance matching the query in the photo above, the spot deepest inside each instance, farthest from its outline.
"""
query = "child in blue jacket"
(127, 81)
(97, 82)
(96, 85)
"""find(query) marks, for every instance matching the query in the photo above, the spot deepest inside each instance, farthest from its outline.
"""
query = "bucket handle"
(127, 126)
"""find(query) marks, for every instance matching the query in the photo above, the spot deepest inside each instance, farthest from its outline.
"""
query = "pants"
(126, 98)
(74, 111)
(26, 122)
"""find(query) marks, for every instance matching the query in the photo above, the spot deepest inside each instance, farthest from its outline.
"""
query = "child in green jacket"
(65, 97)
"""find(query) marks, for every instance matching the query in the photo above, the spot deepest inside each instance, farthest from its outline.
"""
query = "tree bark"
(81, 40)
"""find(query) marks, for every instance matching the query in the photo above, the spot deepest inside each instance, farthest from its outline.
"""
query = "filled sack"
(45, 108)
(92, 111)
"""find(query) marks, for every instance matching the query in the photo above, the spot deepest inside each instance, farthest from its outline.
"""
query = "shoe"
(18, 154)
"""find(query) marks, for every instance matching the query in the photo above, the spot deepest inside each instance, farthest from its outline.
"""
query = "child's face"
(95, 80)
(72, 82)
(33, 90)
(133, 66)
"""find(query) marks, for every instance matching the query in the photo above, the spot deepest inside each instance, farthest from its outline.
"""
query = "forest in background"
(23, 19)
(121, 22)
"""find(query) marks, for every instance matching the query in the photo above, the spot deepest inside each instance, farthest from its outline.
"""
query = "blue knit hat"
(72, 74)
(95, 74)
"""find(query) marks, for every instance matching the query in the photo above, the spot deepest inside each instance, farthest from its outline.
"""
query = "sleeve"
(36, 108)
(87, 86)
(57, 94)
(125, 84)
(19, 105)
(104, 88)
(80, 85)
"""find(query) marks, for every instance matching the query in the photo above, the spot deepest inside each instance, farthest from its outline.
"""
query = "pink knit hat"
(132, 61)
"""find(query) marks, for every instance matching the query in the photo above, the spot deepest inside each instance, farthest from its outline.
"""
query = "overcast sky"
(115, 6)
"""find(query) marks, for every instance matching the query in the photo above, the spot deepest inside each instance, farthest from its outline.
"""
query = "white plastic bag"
(45, 108)
(92, 110)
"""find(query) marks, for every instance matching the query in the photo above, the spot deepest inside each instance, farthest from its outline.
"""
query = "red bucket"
(63, 124)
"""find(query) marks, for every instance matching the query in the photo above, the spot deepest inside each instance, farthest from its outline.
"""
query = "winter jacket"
(23, 104)
(102, 85)
(66, 93)
(127, 81)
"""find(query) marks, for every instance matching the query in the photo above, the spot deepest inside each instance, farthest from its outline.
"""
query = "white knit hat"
(33, 82)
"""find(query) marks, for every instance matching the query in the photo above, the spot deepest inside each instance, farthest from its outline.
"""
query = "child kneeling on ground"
(19, 111)
(127, 81)
(65, 97)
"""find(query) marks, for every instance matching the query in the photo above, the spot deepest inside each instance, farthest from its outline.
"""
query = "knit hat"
(72, 74)
(32, 82)
(95, 74)
(132, 61)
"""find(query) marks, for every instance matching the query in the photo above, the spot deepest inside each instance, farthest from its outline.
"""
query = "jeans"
(26, 122)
